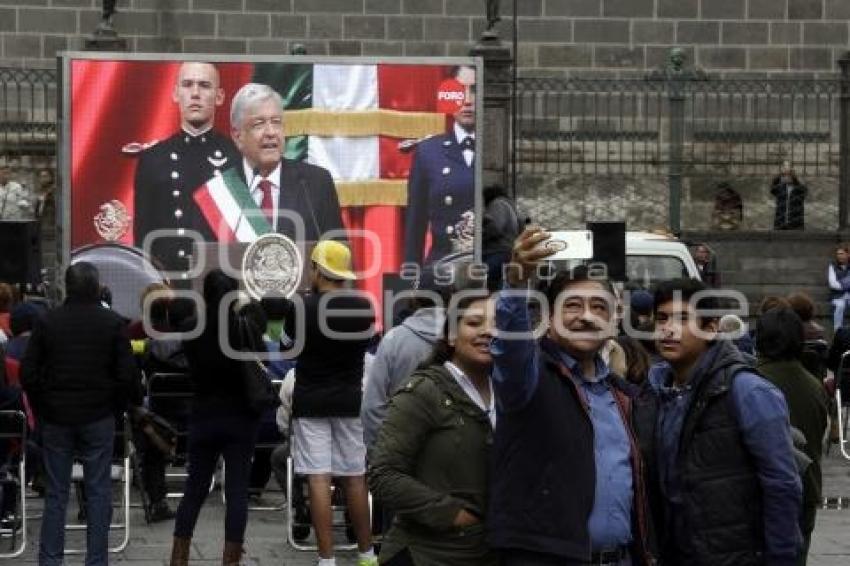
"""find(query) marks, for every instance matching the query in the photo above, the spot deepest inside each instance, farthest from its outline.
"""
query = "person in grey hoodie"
(400, 352)
(410, 343)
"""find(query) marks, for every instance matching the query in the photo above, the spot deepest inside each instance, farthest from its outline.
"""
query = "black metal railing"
(687, 128)
(28, 111)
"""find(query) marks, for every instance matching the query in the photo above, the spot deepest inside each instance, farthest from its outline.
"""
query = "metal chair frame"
(290, 516)
(841, 412)
(22, 491)
(183, 434)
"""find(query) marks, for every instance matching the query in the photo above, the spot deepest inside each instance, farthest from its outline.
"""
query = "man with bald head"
(169, 171)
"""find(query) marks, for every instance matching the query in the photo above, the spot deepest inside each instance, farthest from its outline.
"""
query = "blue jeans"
(838, 307)
(93, 444)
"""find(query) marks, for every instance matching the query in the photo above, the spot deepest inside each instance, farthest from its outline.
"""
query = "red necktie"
(267, 204)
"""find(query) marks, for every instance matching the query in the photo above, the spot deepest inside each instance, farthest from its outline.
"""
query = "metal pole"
(677, 142)
(844, 143)
(514, 110)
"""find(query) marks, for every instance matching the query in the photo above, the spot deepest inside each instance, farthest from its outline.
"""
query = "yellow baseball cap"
(333, 259)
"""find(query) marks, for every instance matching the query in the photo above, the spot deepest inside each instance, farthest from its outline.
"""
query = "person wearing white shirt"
(287, 192)
(17, 202)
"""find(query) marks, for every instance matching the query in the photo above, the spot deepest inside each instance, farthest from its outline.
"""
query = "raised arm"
(514, 349)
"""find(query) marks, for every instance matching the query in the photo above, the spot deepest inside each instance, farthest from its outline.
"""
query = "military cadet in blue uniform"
(168, 172)
(441, 187)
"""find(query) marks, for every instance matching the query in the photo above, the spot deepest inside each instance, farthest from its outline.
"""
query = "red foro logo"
(450, 96)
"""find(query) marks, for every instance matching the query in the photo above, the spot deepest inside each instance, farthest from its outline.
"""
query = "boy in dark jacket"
(729, 483)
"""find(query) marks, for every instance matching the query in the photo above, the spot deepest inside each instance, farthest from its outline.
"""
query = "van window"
(646, 271)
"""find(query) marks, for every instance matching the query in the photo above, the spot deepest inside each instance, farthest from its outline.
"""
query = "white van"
(651, 258)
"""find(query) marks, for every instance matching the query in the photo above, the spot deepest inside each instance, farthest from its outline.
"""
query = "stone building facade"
(556, 36)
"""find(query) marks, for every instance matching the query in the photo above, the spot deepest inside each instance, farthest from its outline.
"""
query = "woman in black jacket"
(221, 424)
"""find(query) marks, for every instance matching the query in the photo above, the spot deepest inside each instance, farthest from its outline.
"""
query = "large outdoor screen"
(161, 168)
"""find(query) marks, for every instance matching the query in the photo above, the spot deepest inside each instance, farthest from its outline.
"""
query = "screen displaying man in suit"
(441, 186)
(168, 172)
(276, 183)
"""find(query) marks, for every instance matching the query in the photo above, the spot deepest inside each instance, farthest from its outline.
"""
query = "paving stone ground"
(266, 544)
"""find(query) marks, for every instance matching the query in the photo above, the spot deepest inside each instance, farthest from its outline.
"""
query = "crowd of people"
(514, 422)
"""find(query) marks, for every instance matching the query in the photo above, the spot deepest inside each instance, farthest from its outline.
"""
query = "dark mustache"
(584, 326)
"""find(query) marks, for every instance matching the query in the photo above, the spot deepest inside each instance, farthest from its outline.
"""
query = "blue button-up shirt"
(610, 521)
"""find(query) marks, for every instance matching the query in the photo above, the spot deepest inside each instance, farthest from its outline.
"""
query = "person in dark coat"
(221, 425)
(430, 461)
(169, 171)
(707, 265)
(286, 192)
(441, 186)
(78, 373)
(790, 195)
(500, 226)
(567, 477)
(780, 343)
(729, 481)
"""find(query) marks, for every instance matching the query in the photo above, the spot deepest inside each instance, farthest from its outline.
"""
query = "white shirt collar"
(274, 176)
(197, 133)
(461, 134)
(471, 392)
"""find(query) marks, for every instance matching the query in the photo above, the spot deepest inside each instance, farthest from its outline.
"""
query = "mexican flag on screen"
(229, 209)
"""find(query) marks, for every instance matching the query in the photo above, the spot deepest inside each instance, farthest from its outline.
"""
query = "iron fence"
(28, 112)
(686, 128)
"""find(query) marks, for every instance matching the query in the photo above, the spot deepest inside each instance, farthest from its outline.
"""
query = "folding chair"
(170, 397)
(13, 429)
(842, 401)
(119, 472)
(293, 524)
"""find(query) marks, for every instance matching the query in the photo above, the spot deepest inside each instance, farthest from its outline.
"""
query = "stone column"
(496, 122)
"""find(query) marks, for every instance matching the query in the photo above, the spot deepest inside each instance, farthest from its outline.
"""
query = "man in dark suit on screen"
(169, 171)
(279, 188)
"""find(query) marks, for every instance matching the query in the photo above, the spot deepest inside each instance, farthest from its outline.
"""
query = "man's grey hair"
(248, 95)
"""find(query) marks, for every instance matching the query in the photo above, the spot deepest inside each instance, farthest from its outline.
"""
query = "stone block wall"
(556, 36)
(564, 201)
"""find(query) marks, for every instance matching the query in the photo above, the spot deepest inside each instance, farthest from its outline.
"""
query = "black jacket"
(329, 373)
(790, 205)
(78, 367)
(308, 191)
(219, 387)
(544, 477)
(721, 520)
(167, 175)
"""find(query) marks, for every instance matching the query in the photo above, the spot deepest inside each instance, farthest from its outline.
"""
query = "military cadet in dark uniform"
(441, 187)
(168, 172)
